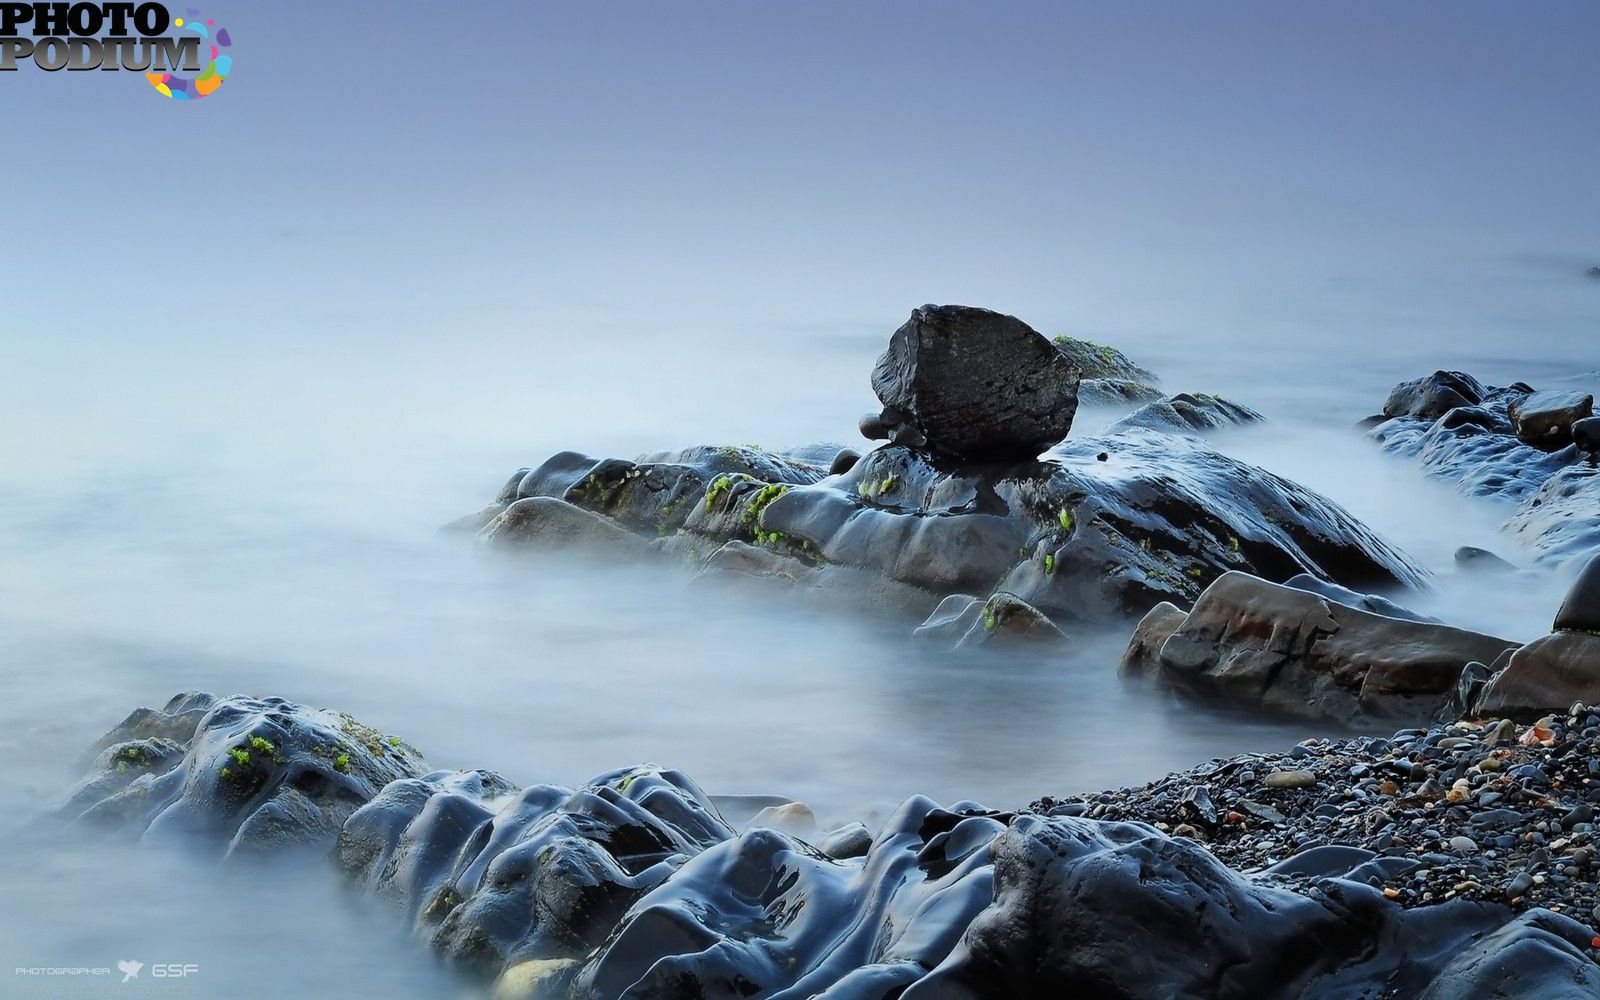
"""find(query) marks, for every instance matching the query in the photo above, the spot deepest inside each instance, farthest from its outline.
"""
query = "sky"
(472, 205)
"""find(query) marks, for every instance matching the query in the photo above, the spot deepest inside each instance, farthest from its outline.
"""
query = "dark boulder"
(1586, 435)
(976, 383)
(1545, 419)
(1115, 392)
(1254, 644)
(245, 775)
(1188, 414)
(1580, 612)
(1434, 395)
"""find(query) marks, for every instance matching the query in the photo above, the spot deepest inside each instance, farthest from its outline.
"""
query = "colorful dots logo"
(182, 88)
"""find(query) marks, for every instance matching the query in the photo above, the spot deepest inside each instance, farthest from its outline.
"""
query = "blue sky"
(413, 184)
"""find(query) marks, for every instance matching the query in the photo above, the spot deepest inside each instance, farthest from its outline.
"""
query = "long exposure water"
(286, 544)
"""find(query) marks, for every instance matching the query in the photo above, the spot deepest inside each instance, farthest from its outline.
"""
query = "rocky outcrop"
(524, 881)
(1106, 527)
(634, 886)
(975, 384)
(1254, 644)
(1478, 436)
(242, 775)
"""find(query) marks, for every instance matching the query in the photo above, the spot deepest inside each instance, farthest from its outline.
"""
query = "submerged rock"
(1254, 644)
(241, 774)
(1188, 414)
(976, 384)
(961, 621)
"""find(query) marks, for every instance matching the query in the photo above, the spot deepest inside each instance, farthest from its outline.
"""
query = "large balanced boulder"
(244, 775)
(976, 384)
(1255, 644)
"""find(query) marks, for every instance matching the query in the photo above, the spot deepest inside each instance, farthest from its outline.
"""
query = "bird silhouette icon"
(129, 968)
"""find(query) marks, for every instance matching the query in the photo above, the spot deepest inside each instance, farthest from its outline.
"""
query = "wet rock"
(1255, 644)
(962, 621)
(1433, 396)
(1558, 670)
(243, 775)
(545, 524)
(1474, 443)
(1188, 414)
(493, 876)
(1544, 675)
(1098, 361)
(844, 461)
(977, 384)
(1290, 779)
(793, 818)
(1586, 435)
(1475, 560)
(1115, 392)
(1580, 611)
(1545, 419)
(1375, 603)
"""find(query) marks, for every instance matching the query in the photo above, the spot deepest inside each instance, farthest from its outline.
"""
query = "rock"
(1545, 419)
(1463, 845)
(1097, 361)
(545, 524)
(1142, 658)
(844, 461)
(1187, 414)
(1290, 779)
(873, 427)
(1115, 392)
(962, 621)
(977, 384)
(1433, 396)
(1594, 272)
(793, 818)
(1475, 560)
(1580, 611)
(492, 876)
(1474, 444)
(1255, 644)
(244, 775)
(1374, 603)
(1546, 675)
(1586, 435)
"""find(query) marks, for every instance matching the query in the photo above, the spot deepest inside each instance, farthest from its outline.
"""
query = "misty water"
(180, 514)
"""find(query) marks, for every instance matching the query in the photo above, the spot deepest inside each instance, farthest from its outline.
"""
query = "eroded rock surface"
(633, 886)
(240, 775)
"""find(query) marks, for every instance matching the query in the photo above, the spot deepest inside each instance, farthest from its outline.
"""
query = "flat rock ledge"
(1449, 863)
